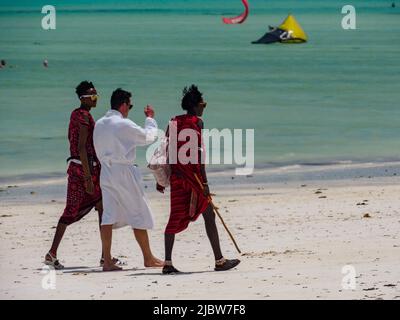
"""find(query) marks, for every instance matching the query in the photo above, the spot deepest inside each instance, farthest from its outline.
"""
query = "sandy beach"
(295, 236)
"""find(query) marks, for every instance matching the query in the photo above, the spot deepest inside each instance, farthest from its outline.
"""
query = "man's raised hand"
(149, 111)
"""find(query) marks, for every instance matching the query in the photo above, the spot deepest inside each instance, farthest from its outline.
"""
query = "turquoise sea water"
(335, 98)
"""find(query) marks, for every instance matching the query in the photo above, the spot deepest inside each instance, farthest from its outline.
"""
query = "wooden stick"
(218, 214)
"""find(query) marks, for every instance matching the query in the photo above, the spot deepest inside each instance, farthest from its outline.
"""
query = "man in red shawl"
(83, 193)
(188, 198)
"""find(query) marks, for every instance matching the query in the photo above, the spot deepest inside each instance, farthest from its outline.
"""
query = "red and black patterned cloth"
(79, 202)
(187, 198)
(79, 117)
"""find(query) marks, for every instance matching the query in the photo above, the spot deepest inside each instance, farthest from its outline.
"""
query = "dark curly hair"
(191, 97)
(83, 87)
(119, 97)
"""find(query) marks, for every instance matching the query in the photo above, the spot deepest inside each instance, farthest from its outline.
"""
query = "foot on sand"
(154, 263)
(115, 261)
(170, 270)
(227, 264)
(111, 267)
(52, 260)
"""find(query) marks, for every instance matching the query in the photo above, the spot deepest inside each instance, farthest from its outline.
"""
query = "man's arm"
(202, 164)
(148, 134)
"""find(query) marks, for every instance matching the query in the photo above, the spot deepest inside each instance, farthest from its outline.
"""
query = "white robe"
(115, 140)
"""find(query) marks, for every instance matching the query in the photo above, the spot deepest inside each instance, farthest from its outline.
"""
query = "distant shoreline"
(268, 172)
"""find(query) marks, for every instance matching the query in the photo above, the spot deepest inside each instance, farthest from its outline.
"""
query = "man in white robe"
(124, 203)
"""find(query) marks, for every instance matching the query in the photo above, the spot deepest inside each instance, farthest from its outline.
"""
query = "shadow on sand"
(94, 270)
(174, 274)
(86, 270)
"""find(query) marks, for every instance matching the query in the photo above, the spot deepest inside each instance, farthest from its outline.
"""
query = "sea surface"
(332, 100)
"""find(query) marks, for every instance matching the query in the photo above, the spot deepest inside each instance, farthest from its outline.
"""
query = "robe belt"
(77, 161)
(109, 161)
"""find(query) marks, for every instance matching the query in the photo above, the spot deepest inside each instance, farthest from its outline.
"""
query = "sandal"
(170, 270)
(53, 261)
(228, 264)
(116, 261)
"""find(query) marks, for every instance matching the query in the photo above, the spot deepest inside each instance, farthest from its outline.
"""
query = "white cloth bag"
(158, 164)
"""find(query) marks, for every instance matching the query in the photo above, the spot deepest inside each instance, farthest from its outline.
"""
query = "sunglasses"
(129, 105)
(92, 97)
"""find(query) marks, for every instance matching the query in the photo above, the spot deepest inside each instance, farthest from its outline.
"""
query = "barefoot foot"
(154, 263)
(111, 267)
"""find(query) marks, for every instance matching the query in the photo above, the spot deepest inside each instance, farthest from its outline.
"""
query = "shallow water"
(334, 98)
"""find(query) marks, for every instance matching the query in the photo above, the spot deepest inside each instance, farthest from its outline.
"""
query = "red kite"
(241, 18)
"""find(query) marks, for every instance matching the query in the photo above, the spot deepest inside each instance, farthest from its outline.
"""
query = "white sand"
(295, 243)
